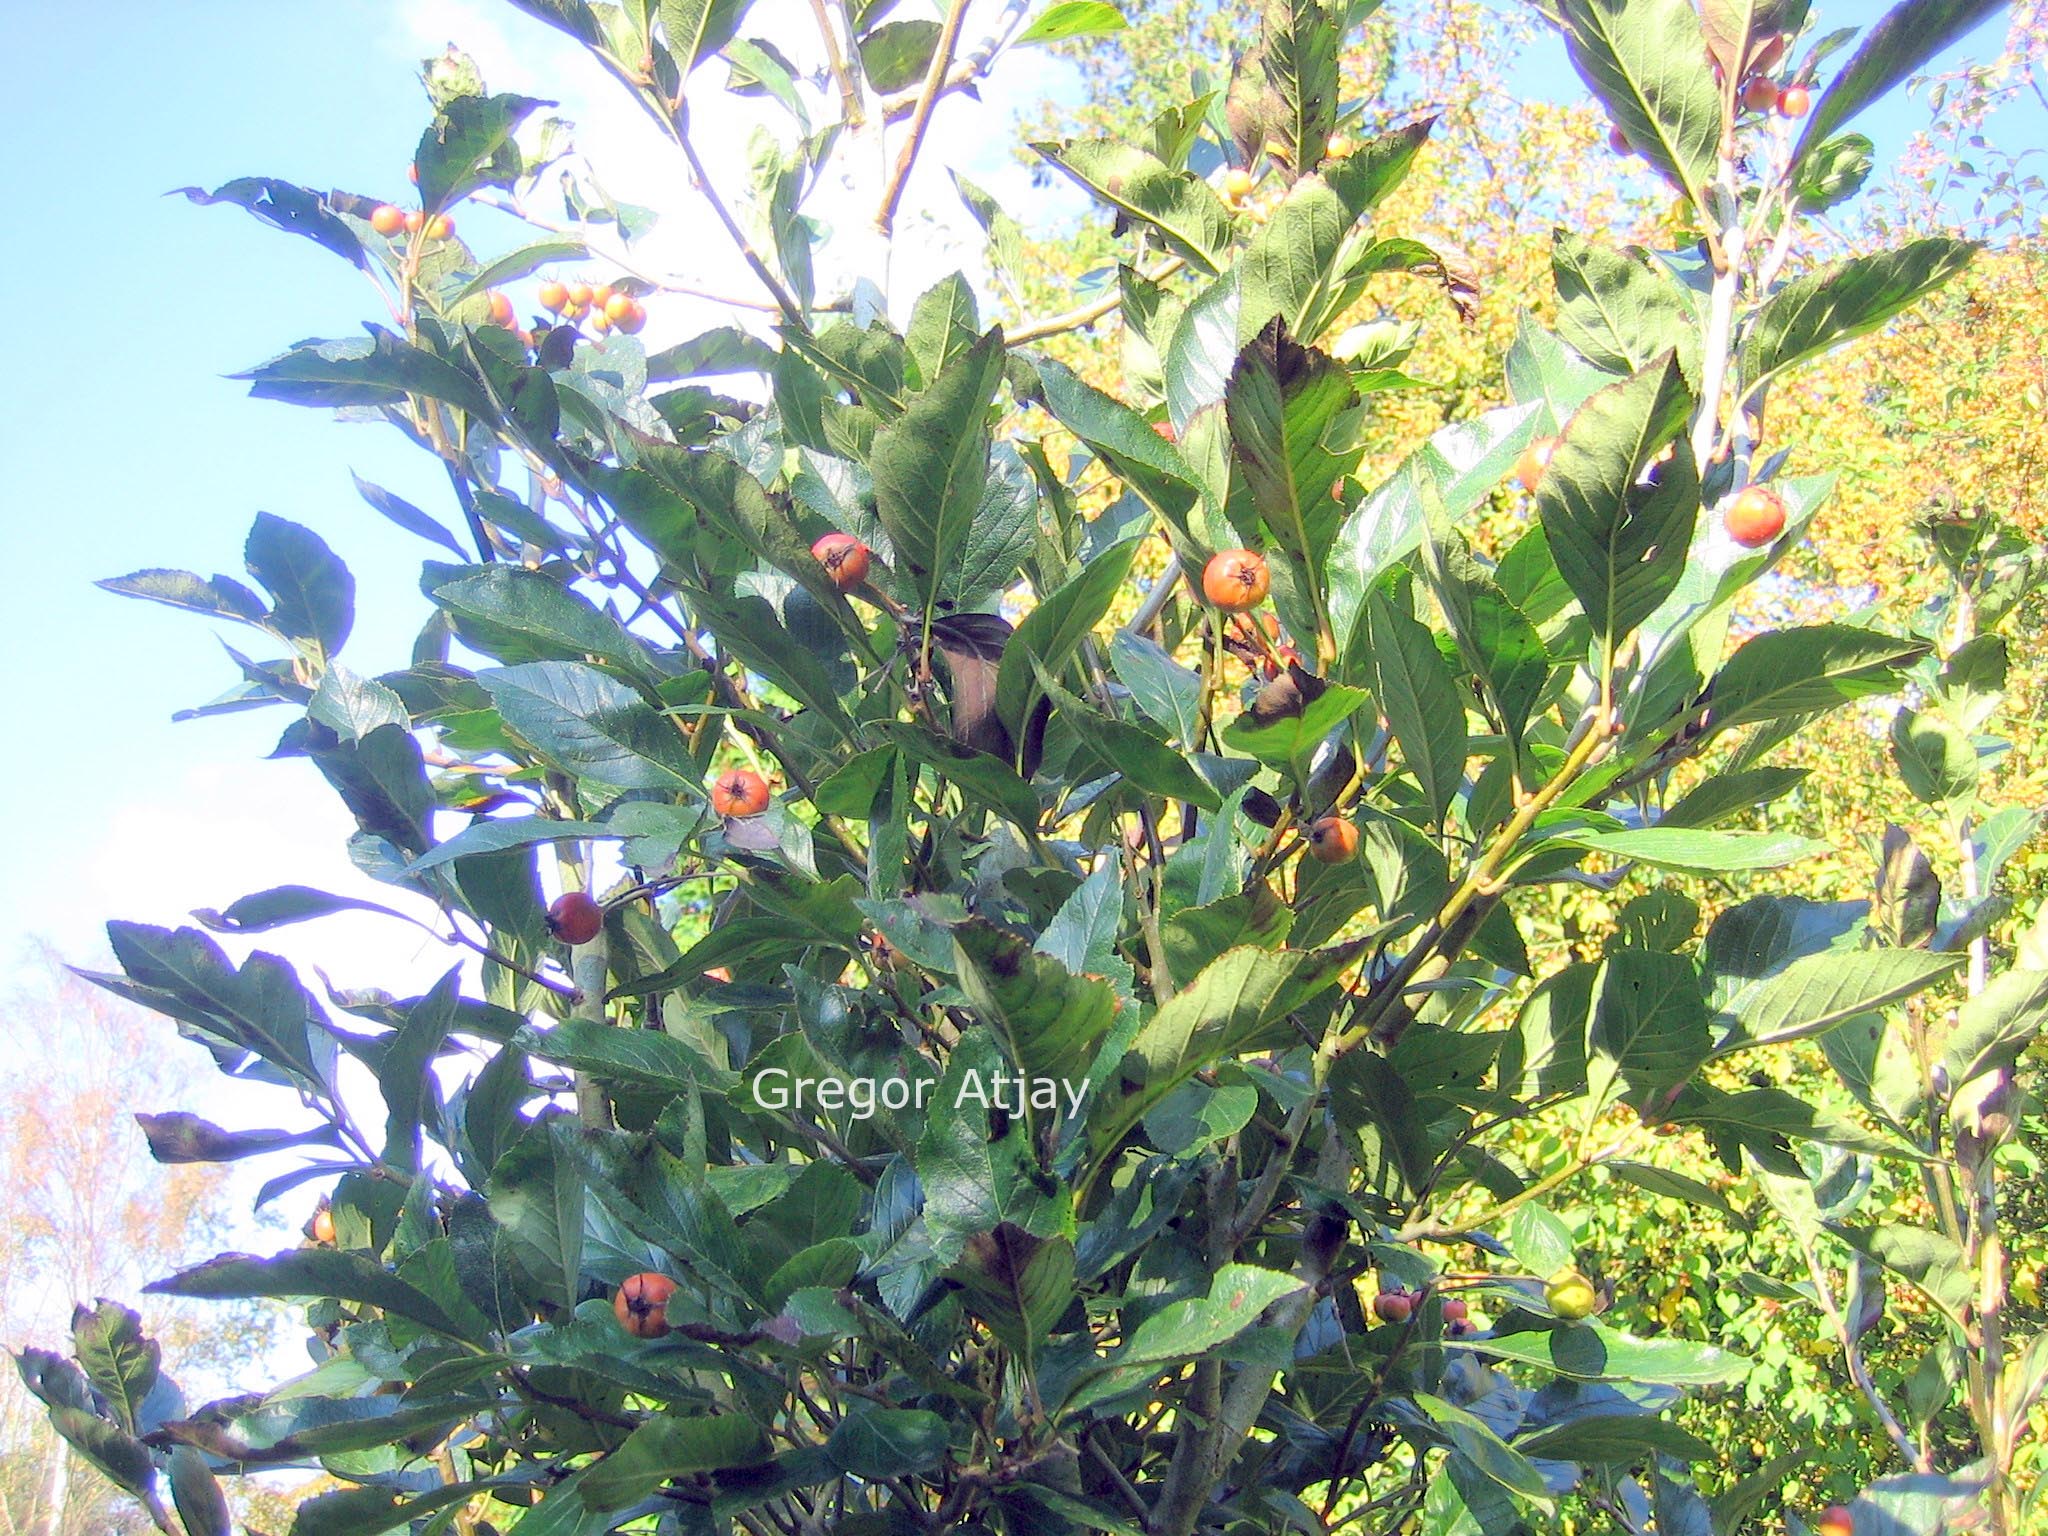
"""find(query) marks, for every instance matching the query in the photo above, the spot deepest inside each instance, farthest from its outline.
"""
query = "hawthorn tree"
(1225, 892)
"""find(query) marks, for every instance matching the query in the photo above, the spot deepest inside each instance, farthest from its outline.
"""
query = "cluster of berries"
(388, 219)
(607, 306)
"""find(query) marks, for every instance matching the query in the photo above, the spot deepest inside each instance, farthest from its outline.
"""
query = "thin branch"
(928, 97)
(785, 301)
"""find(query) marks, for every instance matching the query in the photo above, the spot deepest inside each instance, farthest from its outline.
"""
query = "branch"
(1087, 314)
(901, 105)
(784, 299)
(928, 97)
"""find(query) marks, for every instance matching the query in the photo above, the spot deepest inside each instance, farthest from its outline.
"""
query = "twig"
(901, 105)
(785, 301)
(1087, 314)
(934, 79)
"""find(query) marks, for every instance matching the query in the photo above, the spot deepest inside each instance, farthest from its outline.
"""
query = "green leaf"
(352, 706)
(1996, 1025)
(671, 1447)
(495, 836)
(461, 147)
(310, 1272)
(1621, 546)
(1815, 993)
(1478, 1445)
(987, 780)
(381, 370)
(555, 622)
(1727, 794)
(1297, 57)
(1050, 1020)
(591, 724)
(311, 592)
(1647, 60)
(1165, 690)
(1286, 407)
(1935, 1264)
(1054, 630)
(120, 1363)
(1126, 442)
(1812, 314)
(1799, 671)
(1018, 1284)
(930, 467)
(196, 1495)
(1649, 1024)
(1834, 172)
(1217, 1016)
(944, 323)
(696, 29)
(876, 1442)
(1909, 35)
(123, 1459)
(1072, 18)
(896, 54)
(1291, 738)
(1619, 310)
(1626, 1439)
(1935, 759)
(1672, 1185)
(521, 261)
(1593, 1352)
(1540, 1242)
(219, 596)
(1420, 699)
(1182, 208)
(1183, 1330)
(537, 1198)
(295, 210)
(1684, 848)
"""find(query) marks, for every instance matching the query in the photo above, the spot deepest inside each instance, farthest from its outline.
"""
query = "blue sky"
(130, 448)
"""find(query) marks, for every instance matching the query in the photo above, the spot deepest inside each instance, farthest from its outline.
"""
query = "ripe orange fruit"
(1455, 1310)
(572, 311)
(1756, 518)
(1534, 461)
(386, 220)
(642, 1304)
(1339, 146)
(554, 297)
(1393, 1306)
(845, 559)
(412, 220)
(1236, 580)
(1237, 184)
(600, 322)
(440, 227)
(323, 1227)
(501, 308)
(1835, 1520)
(600, 296)
(739, 792)
(1794, 101)
(618, 305)
(575, 918)
(579, 293)
(1760, 93)
(1332, 840)
(633, 319)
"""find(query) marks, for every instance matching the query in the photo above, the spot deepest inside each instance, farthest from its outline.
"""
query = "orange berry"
(600, 322)
(740, 792)
(1393, 1306)
(1455, 1310)
(1534, 461)
(554, 297)
(322, 1228)
(579, 293)
(1237, 184)
(413, 221)
(1332, 840)
(575, 918)
(386, 220)
(633, 319)
(572, 311)
(1760, 93)
(617, 305)
(845, 559)
(641, 1305)
(1835, 1520)
(600, 296)
(1756, 518)
(1236, 580)
(440, 227)
(501, 308)
(1795, 101)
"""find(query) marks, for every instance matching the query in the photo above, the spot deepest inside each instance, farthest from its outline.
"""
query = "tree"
(86, 1213)
(1036, 1136)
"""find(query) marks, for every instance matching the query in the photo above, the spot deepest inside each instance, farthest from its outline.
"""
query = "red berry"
(575, 918)
(1237, 580)
(1455, 1310)
(1835, 1520)
(634, 318)
(1332, 840)
(641, 1305)
(1393, 1306)
(1534, 461)
(1795, 101)
(845, 559)
(1760, 93)
(412, 221)
(1756, 518)
(741, 792)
